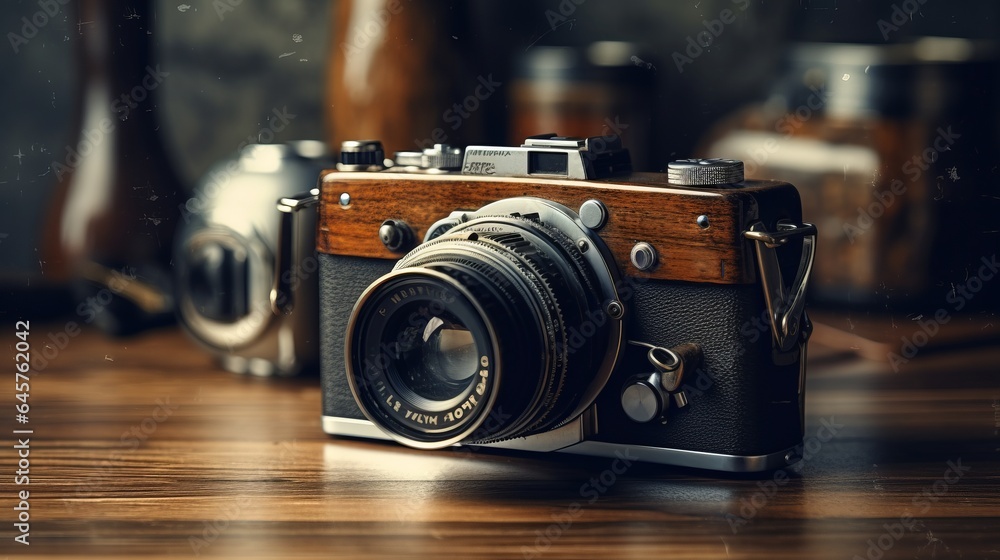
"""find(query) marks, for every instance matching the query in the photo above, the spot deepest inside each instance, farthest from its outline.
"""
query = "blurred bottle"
(115, 208)
(893, 150)
(606, 88)
(400, 73)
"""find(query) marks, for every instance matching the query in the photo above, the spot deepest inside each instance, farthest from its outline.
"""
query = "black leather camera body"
(544, 297)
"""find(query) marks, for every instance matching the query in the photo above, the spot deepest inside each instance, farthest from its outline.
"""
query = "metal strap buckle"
(784, 306)
(282, 302)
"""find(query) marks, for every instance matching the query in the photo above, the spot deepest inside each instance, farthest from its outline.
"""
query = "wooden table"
(144, 447)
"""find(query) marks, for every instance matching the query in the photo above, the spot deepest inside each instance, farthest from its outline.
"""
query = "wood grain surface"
(143, 448)
(638, 208)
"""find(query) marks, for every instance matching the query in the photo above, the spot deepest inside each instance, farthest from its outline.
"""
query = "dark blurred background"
(684, 77)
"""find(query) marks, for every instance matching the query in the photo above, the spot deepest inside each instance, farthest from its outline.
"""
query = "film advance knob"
(641, 400)
(361, 155)
(705, 172)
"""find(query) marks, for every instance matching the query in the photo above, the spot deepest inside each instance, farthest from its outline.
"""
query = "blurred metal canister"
(891, 148)
(606, 88)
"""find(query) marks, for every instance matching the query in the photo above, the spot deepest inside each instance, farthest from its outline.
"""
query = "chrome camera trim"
(566, 440)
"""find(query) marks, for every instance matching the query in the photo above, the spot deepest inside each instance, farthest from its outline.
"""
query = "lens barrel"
(482, 323)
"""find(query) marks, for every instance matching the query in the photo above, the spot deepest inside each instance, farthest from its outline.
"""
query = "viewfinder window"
(548, 163)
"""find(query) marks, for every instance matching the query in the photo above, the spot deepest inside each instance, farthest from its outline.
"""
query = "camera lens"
(434, 355)
(422, 355)
(217, 282)
(492, 331)
(449, 358)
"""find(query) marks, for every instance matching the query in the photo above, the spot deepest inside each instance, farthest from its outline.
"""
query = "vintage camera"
(544, 297)
(230, 244)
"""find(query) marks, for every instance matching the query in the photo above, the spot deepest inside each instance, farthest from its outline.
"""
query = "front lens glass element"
(424, 358)
(433, 355)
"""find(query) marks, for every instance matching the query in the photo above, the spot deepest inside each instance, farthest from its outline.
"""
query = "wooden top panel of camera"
(641, 207)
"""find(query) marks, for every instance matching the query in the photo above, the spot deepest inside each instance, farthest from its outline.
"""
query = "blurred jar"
(606, 88)
(886, 145)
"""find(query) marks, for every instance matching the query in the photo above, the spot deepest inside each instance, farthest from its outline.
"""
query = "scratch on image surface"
(725, 544)
(932, 540)
(569, 22)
